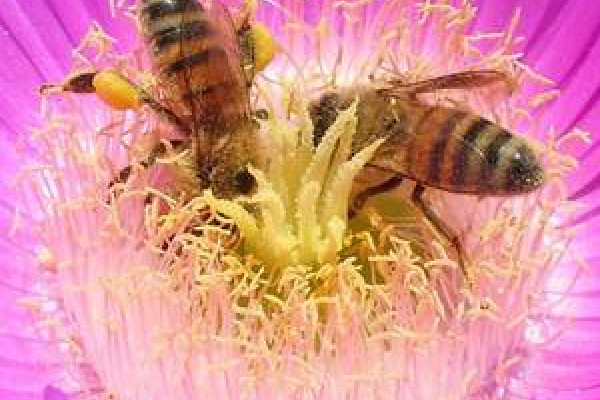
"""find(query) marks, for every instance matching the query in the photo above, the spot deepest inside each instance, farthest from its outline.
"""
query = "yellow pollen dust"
(47, 260)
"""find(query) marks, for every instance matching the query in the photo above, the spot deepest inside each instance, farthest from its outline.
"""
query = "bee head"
(243, 182)
(231, 181)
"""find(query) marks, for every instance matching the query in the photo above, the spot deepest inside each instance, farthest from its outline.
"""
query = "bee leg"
(165, 113)
(358, 202)
(157, 151)
(440, 227)
(458, 80)
(115, 90)
(80, 83)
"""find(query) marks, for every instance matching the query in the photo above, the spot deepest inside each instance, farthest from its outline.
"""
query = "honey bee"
(205, 63)
(432, 145)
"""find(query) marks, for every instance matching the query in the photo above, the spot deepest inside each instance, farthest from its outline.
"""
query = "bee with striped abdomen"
(432, 145)
(205, 65)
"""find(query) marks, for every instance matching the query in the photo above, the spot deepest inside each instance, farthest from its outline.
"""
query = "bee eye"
(388, 123)
(261, 114)
(244, 181)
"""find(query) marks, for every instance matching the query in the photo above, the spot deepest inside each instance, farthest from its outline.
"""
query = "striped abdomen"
(436, 146)
(461, 152)
(195, 51)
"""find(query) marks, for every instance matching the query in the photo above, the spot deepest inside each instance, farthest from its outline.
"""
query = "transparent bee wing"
(458, 80)
(197, 54)
(235, 103)
(243, 30)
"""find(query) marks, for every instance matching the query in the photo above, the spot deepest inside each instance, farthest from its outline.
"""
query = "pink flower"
(86, 314)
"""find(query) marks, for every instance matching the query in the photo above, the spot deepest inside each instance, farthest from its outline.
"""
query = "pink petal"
(562, 42)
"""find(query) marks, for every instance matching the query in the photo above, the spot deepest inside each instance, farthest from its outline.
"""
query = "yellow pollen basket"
(265, 46)
(116, 90)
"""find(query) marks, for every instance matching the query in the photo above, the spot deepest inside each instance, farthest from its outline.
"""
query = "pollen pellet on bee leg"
(116, 90)
(266, 46)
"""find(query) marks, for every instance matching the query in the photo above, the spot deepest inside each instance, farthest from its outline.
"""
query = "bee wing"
(214, 90)
(243, 29)
(233, 71)
(458, 80)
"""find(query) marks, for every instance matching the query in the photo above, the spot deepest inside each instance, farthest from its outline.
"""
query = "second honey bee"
(432, 145)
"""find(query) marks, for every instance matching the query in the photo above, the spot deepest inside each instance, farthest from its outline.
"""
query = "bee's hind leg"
(440, 227)
(115, 90)
(159, 150)
(358, 202)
